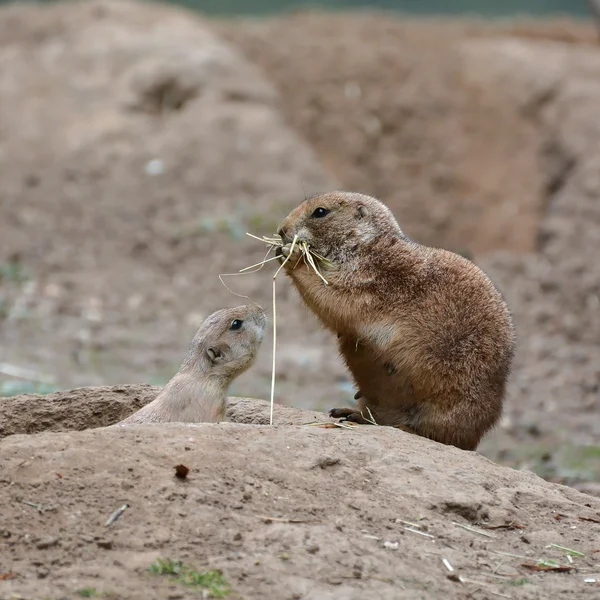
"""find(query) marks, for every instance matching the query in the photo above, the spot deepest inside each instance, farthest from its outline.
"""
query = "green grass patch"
(581, 462)
(87, 592)
(518, 582)
(13, 271)
(4, 309)
(464, 252)
(14, 388)
(213, 582)
(565, 463)
(163, 376)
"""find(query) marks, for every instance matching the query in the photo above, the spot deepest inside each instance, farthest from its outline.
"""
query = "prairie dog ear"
(215, 355)
(362, 212)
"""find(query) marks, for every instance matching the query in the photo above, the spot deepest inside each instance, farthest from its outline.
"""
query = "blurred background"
(139, 142)
(408, 6)
(425, 7)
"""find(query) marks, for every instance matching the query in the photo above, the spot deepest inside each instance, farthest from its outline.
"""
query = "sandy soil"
(290, 511)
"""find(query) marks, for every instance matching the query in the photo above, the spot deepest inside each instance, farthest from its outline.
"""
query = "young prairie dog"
(223, 348)
(427, 337)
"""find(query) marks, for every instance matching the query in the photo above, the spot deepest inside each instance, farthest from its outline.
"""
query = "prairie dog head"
(227, 342)
(335, 224)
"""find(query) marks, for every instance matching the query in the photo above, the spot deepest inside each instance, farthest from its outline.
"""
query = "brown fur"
(217, 355)
(427, 337)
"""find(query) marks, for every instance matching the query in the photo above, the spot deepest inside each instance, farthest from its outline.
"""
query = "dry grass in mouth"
(308, 256)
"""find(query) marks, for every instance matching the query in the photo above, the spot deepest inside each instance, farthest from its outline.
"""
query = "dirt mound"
(390, 108)
(509, 113)
(141, 147)
(270, 508)
(555, 295)
(139, 150)
(101, 406)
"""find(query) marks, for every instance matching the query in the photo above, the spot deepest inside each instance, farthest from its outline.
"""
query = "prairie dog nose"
(284, 236)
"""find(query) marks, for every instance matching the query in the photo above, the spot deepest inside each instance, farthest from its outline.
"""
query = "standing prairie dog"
(427, 337)
(223, 348)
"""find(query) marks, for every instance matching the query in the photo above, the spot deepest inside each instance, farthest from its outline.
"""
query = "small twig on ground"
(35, 505)
(567, 550)
(498, 566)
(115, 515)
(447, 564)
(590, 519)
(280, 520)
(419, 532)
(410, 524)
(474, 530)
(332, 424)
(545, 566)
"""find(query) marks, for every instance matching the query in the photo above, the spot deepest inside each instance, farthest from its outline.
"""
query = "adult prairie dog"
(426, 335)
(223, 348)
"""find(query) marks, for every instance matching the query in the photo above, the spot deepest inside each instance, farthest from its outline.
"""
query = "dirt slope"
(284, 512)
(391, 109)
(92, 407)
(507, 114)
(555, 295)
(139, 151)
(478, 138)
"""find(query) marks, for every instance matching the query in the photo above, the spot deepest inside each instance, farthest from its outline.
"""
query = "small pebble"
(154, 167)
(47, 543)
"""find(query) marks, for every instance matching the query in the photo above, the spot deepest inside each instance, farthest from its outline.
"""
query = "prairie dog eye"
(236, 324)
(320, 212)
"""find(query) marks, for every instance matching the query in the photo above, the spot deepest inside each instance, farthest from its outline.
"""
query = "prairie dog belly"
(386, 389)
